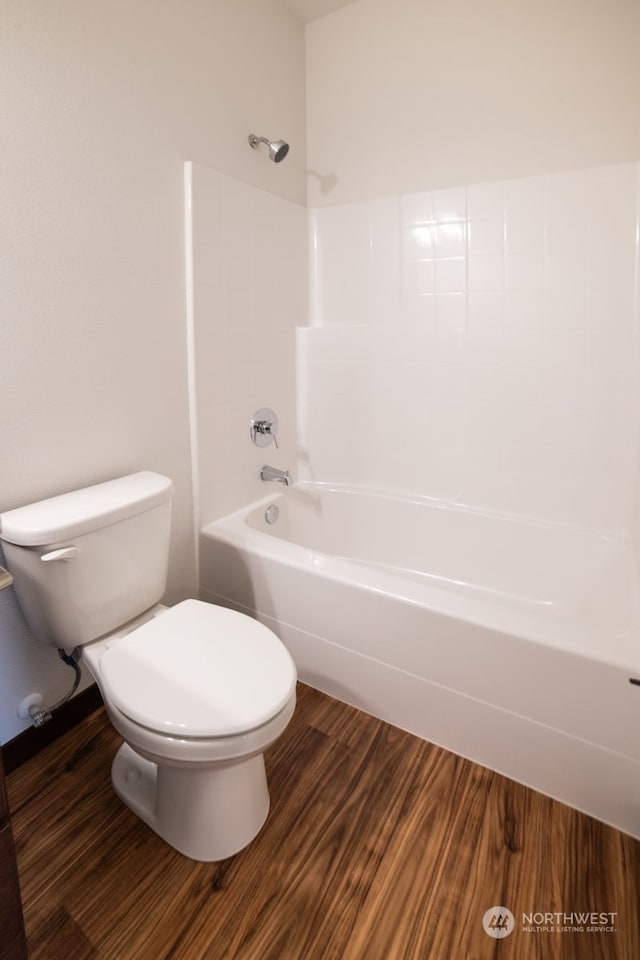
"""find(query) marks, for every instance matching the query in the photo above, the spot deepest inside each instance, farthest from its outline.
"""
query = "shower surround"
(479, 345)
(459, 558)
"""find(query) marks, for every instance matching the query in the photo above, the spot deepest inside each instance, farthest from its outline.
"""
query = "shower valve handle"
(264, 428)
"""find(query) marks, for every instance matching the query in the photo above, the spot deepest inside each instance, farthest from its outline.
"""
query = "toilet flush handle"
(64, 553)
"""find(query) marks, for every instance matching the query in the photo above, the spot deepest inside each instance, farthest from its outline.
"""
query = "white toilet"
(198, 692)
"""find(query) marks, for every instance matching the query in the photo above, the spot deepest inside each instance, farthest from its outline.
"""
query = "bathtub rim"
(575, 636)
(437, 503)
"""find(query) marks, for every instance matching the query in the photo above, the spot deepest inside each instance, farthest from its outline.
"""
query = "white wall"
(102, 103)
(411, 95)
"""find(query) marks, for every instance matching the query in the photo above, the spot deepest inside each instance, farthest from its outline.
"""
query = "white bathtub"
(506, 641)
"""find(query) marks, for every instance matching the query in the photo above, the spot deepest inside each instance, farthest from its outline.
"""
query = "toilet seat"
(199, 671)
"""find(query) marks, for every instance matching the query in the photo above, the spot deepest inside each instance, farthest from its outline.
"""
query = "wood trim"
(31, 741)
(13, 944)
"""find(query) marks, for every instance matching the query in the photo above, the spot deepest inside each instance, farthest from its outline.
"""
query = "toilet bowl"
(207, 809)
(198, 692)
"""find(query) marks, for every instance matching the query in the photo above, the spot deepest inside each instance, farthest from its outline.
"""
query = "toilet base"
(206, 814)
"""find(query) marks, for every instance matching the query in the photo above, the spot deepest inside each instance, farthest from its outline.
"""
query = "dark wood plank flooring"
(378, 846)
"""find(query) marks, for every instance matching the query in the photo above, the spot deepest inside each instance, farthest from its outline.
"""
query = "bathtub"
(507, 641)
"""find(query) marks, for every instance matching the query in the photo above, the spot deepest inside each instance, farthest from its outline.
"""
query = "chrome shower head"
(278, 149)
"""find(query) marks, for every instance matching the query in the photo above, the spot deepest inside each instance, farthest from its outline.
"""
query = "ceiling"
(307, 10)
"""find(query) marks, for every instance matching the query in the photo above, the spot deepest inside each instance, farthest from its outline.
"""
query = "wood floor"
(378, 846)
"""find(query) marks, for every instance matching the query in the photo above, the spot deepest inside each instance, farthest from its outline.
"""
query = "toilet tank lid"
(81, 511)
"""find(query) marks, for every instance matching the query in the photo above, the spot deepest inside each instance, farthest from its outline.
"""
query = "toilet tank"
(86, 562)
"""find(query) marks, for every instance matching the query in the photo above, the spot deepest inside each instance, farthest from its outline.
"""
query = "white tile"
(610, 306)
(510, 347)
(567, 197)
(524, 271)
(306, 343)
(450, 346)
(611, 260)
(450, 311)
(559, 426)
(486, 273)
(520, 410)
(417, 342)
(342, 343)
(382, 344)
(486, 310)
(523, 308)
(486, 201)
(422, 383)
(563, 387)
(486, 238)
(611, 352)
(419, 276)
(237, 294)
(524, 200)
(566, 307)
(450, 240)
(566, 274)
(419, 309)
(385, 260)
(525, 236)
(450, 204)
(500, 384)
(343, 263)
(384, 219)
(565, 349)
(567, 247)
(416, 208)
(450, 276)
(610, 273)
(418, 241)
(386, 302)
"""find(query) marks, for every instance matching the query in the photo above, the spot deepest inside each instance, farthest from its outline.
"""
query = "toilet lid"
(199, 670)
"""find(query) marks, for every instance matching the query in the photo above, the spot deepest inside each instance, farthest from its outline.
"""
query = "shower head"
(278, 149)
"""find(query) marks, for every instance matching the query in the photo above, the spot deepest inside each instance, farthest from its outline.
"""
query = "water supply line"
(41, 715)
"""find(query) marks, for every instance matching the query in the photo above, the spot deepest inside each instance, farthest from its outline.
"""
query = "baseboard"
(31, 741)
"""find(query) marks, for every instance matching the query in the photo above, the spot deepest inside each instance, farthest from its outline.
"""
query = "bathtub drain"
(272, 513)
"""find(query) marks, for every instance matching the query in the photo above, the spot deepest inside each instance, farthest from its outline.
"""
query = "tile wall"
(480, 345)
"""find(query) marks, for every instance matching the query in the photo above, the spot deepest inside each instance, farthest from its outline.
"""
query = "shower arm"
(254, 141)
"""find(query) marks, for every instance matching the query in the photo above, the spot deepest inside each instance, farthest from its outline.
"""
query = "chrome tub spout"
(278, 476)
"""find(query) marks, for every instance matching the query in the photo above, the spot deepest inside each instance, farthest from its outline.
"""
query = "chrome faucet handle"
(270, 431)
(264, 428)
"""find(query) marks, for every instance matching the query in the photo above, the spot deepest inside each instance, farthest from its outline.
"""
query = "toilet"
(197, 692)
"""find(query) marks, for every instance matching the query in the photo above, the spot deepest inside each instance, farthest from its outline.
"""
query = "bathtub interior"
(551, 570)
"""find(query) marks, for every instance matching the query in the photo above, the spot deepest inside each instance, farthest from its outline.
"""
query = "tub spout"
(279, 476)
